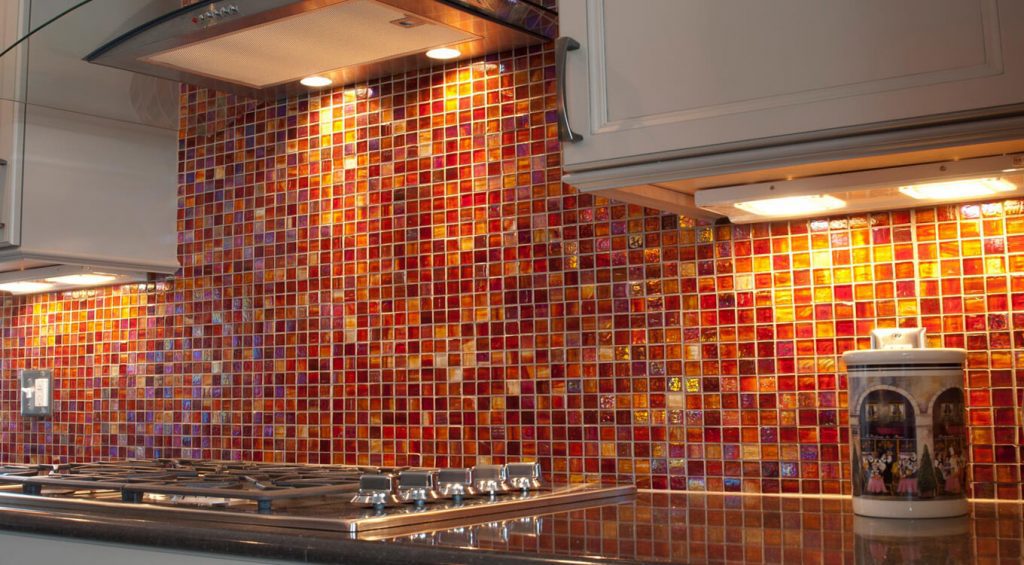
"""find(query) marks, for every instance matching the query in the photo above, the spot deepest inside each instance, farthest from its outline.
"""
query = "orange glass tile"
(406, 275)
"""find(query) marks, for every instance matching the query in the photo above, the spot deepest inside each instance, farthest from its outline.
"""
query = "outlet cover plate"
(36, 392)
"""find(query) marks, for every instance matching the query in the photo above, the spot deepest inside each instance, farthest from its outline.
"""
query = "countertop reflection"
(712, 528)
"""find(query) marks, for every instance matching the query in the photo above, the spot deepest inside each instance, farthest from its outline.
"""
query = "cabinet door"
(12, 118)
(57, 76)
(663, 79)
(11, 127)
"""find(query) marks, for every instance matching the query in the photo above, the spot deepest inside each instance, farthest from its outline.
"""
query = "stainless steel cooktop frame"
(362, 526)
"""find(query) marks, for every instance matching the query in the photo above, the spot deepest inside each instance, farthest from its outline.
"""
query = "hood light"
(25, 287)
(316, 81)
(443, 53)
(792, 205)
(86, 279)
(958, 189)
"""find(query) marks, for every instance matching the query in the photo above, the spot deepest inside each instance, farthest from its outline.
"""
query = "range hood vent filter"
(308, 43)
(263, 48)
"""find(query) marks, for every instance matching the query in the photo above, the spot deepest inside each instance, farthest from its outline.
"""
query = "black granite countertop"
(655, 528)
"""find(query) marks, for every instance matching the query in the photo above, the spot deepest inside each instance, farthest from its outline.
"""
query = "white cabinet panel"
(673, 78)
(57, 77)
(98, 191)
(91, 153)
(11, 127)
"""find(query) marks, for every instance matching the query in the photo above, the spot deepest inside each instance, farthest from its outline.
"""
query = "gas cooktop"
(384, 501)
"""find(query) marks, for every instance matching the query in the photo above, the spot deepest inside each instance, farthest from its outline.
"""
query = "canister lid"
(905, 357)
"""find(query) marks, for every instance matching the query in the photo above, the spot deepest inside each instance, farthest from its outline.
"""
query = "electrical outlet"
(36, 392)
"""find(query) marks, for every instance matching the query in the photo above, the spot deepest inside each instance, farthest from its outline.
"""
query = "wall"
(394, 274)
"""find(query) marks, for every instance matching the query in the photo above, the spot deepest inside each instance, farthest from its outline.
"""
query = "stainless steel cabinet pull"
(562, 47)
(3, 197)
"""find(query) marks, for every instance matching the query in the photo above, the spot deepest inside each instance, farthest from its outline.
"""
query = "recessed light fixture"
(316, 81)
(791, 205)
(443, 53)
(958, 189)
(84, 279)
(25, 287)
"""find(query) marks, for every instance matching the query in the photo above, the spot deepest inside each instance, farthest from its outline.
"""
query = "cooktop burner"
(191, 481)
(341, 498)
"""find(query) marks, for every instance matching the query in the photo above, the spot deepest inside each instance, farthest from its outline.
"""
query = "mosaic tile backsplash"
(395, 274)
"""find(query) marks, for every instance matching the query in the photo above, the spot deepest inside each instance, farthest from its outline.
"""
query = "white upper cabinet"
(664, 80)
(89, 172)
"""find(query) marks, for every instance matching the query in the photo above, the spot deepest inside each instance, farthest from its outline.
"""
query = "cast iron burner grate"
(19, 470)
(261, 483)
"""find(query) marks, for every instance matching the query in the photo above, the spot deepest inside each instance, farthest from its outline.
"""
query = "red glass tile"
(403, 277)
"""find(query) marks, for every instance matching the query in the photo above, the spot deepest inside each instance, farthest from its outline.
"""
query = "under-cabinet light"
(958, 189)
(25, 287)
(869, 190)
(792, 205)
(84, 279)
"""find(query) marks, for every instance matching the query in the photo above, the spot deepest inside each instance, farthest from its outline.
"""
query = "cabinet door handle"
(3, 200)
(562, 47)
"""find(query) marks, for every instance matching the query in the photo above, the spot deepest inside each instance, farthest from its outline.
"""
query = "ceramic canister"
(908, 434)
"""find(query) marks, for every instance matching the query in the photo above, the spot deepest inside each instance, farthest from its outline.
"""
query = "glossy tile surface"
(395, 274)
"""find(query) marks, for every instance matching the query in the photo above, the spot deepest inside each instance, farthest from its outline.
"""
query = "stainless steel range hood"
(262, 48)
(88, 153)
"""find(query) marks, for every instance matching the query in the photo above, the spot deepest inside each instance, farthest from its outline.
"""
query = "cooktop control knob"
(456, 483)
(417, 487)
(525, 476)
(491, 479)
(376, 490)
